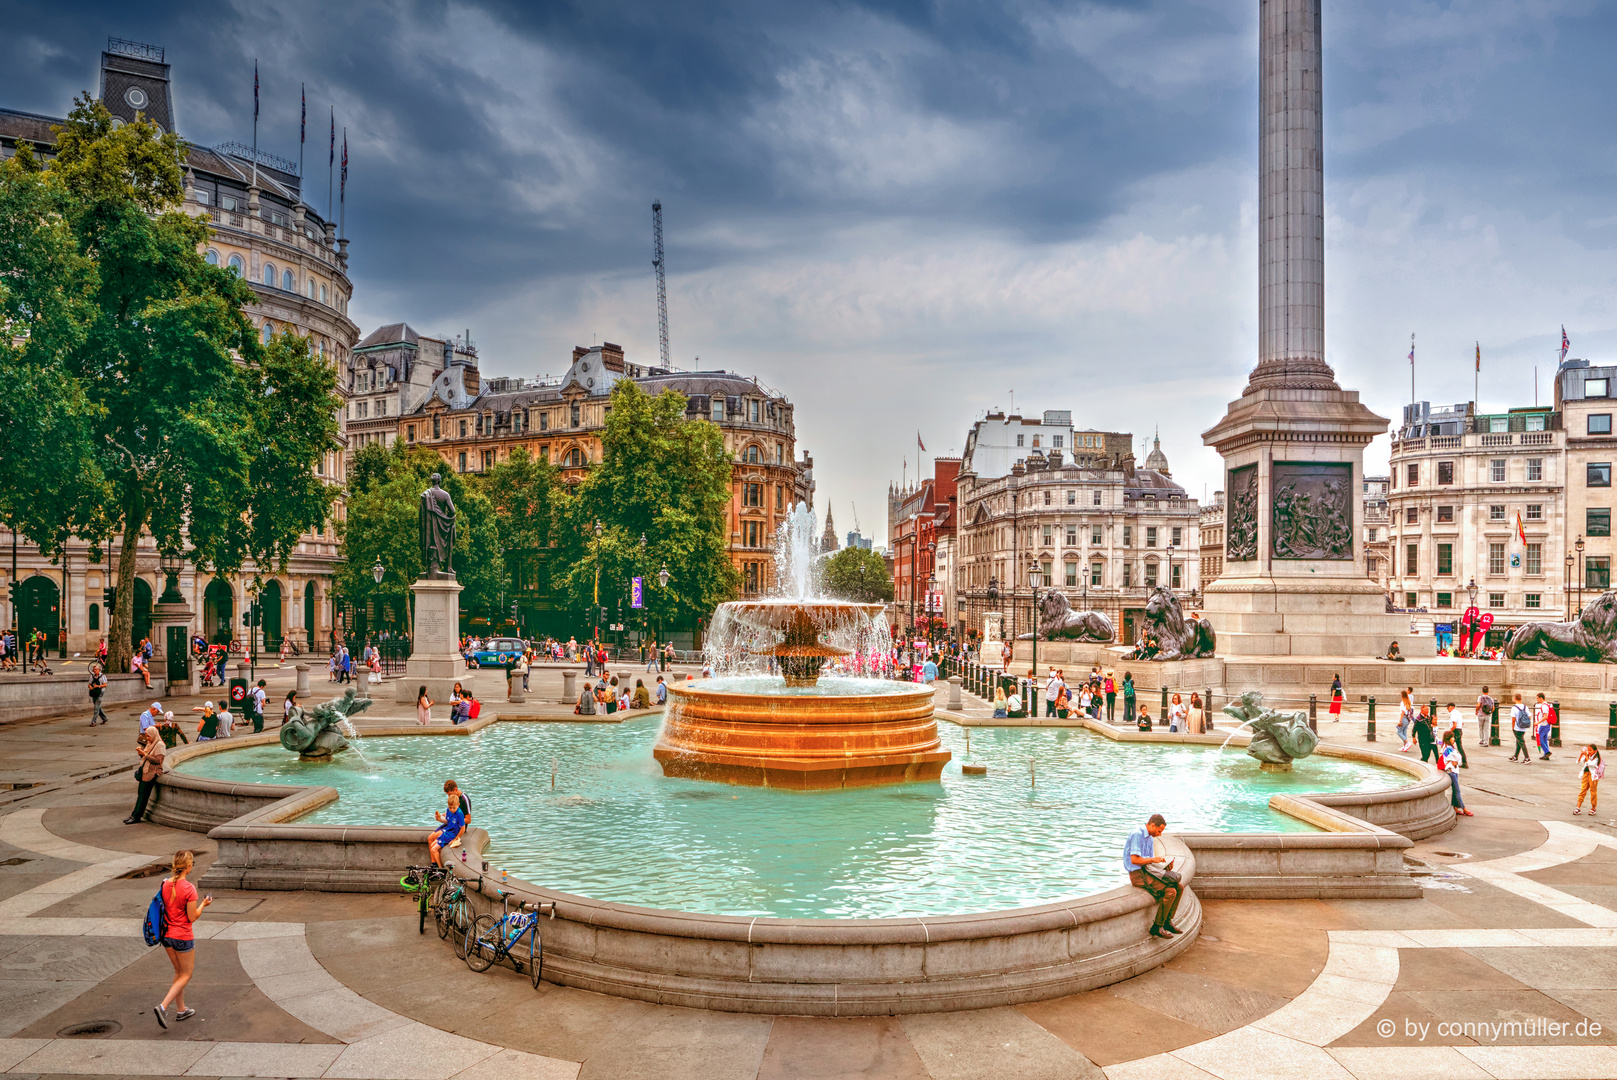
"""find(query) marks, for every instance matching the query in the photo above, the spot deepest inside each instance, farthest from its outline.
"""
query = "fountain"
(770, 720)
(318, 734)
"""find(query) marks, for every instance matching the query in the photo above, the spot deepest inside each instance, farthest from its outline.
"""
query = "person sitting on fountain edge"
(447, 834)
(1139, 852)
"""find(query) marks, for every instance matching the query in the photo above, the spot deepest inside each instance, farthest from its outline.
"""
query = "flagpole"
(331, 160)
(1412, 369)
(255, 121)
(303, 130)
(1476, 378)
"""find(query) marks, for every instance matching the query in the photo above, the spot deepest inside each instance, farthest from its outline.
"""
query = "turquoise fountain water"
(614, 828)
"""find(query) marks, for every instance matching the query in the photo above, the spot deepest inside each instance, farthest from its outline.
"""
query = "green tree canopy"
(382, 526)
(137, 395)
(858, 574)
(663, 477)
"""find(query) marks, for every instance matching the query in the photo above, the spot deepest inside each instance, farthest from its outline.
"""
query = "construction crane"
(662, 281)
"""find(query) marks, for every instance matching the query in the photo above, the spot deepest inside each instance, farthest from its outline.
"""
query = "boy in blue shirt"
(454, 823)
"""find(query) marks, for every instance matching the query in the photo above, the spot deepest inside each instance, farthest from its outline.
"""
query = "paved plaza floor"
(1502, 969)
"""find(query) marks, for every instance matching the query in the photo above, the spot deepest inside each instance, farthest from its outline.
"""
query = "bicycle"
(492, 940)
(424, 882)
(452, 911)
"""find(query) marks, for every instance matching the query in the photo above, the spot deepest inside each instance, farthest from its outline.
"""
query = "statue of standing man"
(437, 532)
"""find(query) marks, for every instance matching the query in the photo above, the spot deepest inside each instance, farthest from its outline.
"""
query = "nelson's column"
(1293, 444)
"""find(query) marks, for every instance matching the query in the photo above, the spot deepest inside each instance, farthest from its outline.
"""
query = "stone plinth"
(435, 661)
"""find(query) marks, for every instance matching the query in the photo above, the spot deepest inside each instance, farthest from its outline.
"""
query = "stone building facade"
(922, 551)
(1478, 501)
(1101, 530)
(1586, 397)
(472, 422)
(298, 266)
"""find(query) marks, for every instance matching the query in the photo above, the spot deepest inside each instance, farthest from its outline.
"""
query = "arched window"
(574, 459)
(752, 455)
(269, 274)
(95, 616)
(286, 281)
(269, 331)
(236, 265)
(310, 283)
(212, 257)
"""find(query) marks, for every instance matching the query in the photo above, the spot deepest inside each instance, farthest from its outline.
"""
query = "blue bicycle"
(492, 940)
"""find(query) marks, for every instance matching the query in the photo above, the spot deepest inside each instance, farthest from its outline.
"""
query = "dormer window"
(576, 414)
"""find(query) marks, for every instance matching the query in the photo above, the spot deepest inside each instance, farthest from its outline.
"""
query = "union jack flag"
(1565, 344)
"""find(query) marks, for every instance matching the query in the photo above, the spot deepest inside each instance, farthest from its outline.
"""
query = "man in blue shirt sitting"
(1139, 853)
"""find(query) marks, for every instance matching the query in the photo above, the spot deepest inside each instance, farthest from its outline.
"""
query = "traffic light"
(513, 611)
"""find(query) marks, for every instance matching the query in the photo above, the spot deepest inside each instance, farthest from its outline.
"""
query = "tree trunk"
(121, 624)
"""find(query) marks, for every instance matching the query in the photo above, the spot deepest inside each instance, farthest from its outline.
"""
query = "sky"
(903, 214)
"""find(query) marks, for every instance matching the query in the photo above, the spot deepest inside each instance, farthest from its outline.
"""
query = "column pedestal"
(435, 661)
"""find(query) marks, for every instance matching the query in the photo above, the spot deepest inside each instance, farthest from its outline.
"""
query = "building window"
(1150, 536)
(1370, 565)
(1496, 558)
(576, 414)
(1499, 423)
(1496, 470)
(1445, 600)
(463, 429)
(287, 283)
(1057, 440)
(213, 260)
(1535, 511)
(269, 274)
(750, 532)
(1594, 388)
(1496, 512)
(1071, 569)
(1496, 599)
(1534, 600)
(1597, 572)
(1535, 468)
(1019, 440)
(1372, 537)
(479, 424)
(1128, 575)
(1598, 474)
(1411, 515)
(1095, 570)
(780, 497)
(717, 410)
(1128, 536)
(1047, 530)
(752, 455)
(752, 411)
(1412, 475)
(1035, 442)
(235, 266)
(462, 463)
(1409, 600)
(1600, 423)
(1094, 535)
(1072, 536)
(544, 421)
(752, 495)
(1445, 559)
(95, 616)
(1597, 521)
(269, 331)
(488, 460)
(1445, 472)
(1445, 514)
(573, 459)
(437, 427)
(1150, 575)
(1072, 498)
(409, 433)
(544, 451)
(1535, 559)
(1178, 536)
(1094, 499)
(362, 409)
(1411, 561)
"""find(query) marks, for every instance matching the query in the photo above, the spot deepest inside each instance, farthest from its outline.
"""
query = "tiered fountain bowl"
(789, 730)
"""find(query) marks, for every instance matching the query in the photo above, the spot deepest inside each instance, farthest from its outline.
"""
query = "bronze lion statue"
(1174, 637)
(1590, 640)
(1058, 622)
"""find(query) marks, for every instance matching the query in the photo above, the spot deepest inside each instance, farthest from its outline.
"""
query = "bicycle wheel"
(453, 918)
(536, 954)
(482, 944)
(421, 905)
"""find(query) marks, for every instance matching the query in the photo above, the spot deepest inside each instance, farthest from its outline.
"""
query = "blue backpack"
(156, 918)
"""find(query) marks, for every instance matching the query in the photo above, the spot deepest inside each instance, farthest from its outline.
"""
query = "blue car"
(500, 652)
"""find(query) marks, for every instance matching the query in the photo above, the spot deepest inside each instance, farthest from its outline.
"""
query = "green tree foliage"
(858, 574)
(522, 489)
(137, 394)
(663, 477)
(383, 525)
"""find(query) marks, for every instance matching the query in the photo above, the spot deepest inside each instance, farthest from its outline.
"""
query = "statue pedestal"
(1275, 766)
(1293, 582)
(435, 661)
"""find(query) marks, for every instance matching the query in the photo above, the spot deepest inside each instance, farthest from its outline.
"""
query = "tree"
(521, 489)
(663, 477)
(140, 397)
(382, 526)
(858, 574)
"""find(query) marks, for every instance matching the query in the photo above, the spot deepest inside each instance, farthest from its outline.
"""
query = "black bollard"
(1370, 725)
(1555, 723)
(1313, 713)
(1611, 728)
(1493, 728)
(1164, 716)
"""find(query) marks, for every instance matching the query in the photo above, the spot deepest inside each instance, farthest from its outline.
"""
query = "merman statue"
(1277, 738)
(318, 734)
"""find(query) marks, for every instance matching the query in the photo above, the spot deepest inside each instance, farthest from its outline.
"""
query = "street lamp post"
(1579, 547)
(596, 613)
(1033, 569)
(1169, 582)
(1471, 604)
(931, 623)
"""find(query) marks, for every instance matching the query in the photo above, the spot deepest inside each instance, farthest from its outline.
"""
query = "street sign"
(637, 596)
(617, 626)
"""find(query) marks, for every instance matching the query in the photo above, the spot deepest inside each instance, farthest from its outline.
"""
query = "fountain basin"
(757, 733)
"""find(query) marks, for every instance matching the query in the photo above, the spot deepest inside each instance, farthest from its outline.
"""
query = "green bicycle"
(492, 940)
(424, 882)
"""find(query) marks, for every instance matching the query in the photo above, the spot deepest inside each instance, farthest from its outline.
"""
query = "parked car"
(499, 652)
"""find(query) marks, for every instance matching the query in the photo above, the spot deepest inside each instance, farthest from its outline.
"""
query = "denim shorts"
(177, 945)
